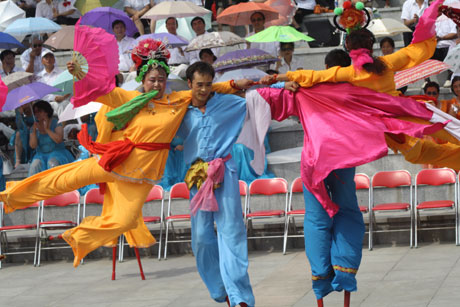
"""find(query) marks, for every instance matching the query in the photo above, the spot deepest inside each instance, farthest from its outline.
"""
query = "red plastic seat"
(266, 187)
(441, 178)
(5, 229)
(179, 191)
(291, 213)
(401, 179)
(244, 193)
(362, 182)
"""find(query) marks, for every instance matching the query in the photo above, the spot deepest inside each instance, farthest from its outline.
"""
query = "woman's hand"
(291, 86)
(244, 84)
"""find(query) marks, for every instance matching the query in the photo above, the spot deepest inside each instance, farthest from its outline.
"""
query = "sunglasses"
(287, 49)
(431, 93)
(37, 45)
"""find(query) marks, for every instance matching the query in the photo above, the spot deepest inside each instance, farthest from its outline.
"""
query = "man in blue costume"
(209, 130)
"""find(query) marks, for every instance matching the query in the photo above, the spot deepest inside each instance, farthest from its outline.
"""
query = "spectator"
(66, 13)
(47, 76)
(178, 62)
(431, 89)
(258, 24)
(124, 45)
(411, 11)
(337, 57)
(304, 8)
(206, 55)
(45, 9)
(288, 61)
(387, 45)
(199, 27)
(46, 138)
(31, 59)
(8, 63)
(28, 6)
(452, 106)
(136, 9)
(24, 121)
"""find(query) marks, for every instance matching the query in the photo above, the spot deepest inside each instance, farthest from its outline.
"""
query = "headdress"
(152, 51)
(351, 18)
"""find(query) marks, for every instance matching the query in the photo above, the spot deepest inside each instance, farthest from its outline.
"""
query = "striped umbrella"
(419, 72)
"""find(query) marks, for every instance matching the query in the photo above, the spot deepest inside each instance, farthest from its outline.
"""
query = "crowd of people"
(154, 136)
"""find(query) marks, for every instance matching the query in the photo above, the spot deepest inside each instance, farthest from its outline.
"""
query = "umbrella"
(70, 112)
(85, 6)
(419, 72)
(103, 17)
(167, 38)
(242, 58)
(240, 14)
(184, 28)
(453, 58)
(17, 79)
(64, 82)
(9, 12)
(286, 10)
(62, 39)
(3, 93)
(27, 93)
(9, 42)
(32, 25)
(284, 34)
(176, 9)
(387, 27)
(248, 73)
(213, 40)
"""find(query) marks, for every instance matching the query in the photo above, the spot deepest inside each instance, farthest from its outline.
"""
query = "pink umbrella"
(286, 10)
(419, 72)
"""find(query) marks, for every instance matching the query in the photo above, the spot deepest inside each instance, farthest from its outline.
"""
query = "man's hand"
(61, 98)
(244, 84)
(291, 86)
(179, 147)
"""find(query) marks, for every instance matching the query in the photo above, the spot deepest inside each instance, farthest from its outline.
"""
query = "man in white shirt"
(135, 9)
(411, 11)
(45, 9)
(125, 44)
(288, 62)
(304, 8)
(258, 24)
(8, 63)
(31, 59)
(66, 13)
(28, 6)
(177, 61)
(199, 27)
(47, 76)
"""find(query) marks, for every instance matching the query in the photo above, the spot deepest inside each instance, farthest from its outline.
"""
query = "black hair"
(200, 67)
(151, 66)
(118, 21)
(260, 13)
(337, 57)
(363, 38)
(271, 71)
(286, 45)
(177, 23)
(455, 79)
(4, 53)
(208, 51)
(388, 40)
(196, 18)
(431, 84)
(44, 106)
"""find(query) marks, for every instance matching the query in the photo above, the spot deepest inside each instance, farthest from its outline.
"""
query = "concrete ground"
(389, 276)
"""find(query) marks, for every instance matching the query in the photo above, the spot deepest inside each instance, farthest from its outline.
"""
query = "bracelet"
(275, 78)
(234, 86)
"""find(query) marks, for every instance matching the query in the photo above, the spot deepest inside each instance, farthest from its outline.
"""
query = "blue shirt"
(211, 135)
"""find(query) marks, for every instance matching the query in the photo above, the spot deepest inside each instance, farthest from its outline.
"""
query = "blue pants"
(222, 259)
(334, 245)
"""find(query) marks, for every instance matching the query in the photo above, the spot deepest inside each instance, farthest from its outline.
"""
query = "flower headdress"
(154, 52)
(351, 18)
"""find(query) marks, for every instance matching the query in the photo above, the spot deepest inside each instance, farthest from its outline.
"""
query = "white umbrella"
(9, 12)
(70, 113)
(176, 9)
(213, 40)
(387, 27)
(184, 27)
(248, 73)
(453, 58)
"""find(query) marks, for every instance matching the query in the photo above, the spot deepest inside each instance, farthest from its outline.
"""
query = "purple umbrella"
(103, 17)
(167, 38)
(243, 58)
(27, 93)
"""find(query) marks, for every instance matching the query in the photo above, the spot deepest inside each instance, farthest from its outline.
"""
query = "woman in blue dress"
(46, 137)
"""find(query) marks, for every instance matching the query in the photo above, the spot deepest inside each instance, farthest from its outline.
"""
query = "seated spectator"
(258, 24)
(28, 6)
(431, 89)
(288, 62)
(136, 9)
(66, 13)
(48, 74)
(124, 46)
(387, 45)
(452, 106)
(304, 8)
(178, 62)
(31, 59)
(199, 27)
(46, 137)
(20, 140)
(45, 9)
(337, 57)
(410, 13)
(207, 56)
(8, 63)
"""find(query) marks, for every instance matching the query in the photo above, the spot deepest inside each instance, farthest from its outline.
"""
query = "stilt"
(346, 302)
(114, 263)
(136, 250)
(320, 302)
